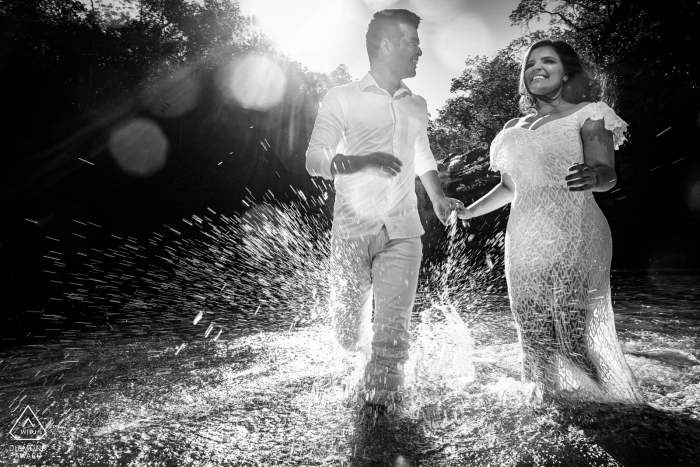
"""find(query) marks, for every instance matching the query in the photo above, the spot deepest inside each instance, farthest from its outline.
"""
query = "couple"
(370, 137)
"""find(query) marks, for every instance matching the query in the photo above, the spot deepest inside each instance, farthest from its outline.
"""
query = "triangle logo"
(28, 427)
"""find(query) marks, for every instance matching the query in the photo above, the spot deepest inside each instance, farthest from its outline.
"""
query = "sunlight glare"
(255, 82)
(437, 12)
(460, 37)
(443, 350)
(379, 5)
(139, 147)
(309, 32)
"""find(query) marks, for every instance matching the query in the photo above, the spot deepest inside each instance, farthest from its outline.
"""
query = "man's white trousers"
(363, 268)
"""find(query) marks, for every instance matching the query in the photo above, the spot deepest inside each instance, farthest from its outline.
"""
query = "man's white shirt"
(361, 118)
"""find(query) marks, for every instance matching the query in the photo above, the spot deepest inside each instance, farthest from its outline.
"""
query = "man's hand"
(444, 207)
(381, 163)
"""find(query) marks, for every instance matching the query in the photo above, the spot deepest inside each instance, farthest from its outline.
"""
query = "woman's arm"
(501, 195)
(598, 171)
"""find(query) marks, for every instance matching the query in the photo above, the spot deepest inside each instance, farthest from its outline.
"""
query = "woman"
(558, 244)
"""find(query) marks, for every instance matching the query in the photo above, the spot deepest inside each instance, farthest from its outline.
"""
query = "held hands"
(444, 207)
(381, 163)
(583, 178)
(464, 213)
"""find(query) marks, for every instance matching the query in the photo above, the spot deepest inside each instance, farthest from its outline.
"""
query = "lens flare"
(694, 199)
(173, 96)
(378, 5)
(458, 37)
(256, 83)
(313, 32)
(139, 147)
(441, 11)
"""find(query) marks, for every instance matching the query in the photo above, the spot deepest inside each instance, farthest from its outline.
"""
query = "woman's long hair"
(579, 87)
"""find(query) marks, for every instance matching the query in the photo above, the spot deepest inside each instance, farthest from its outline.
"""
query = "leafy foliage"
(75, 69)
(485, 100)
(643, 52)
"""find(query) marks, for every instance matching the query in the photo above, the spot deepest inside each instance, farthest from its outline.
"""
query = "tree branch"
(487, 128)
(566, 21)
(585, 7)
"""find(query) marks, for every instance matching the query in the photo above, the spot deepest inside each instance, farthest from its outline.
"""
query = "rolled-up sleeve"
(327, 133)
(424, 159)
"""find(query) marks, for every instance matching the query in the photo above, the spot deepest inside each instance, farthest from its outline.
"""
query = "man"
(371, 138)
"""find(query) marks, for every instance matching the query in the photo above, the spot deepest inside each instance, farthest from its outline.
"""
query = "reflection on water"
(653, 301)
(205, 347)
(287, 397)
(658, 319)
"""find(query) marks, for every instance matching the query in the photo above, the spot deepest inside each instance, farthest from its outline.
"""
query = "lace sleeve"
(618, 126)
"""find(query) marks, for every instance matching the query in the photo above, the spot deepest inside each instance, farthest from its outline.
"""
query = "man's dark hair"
(386, 24)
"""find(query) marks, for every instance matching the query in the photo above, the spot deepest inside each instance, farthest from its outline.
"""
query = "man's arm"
(328, 129)
(442, 205)
(426, 168)
(386, 164)
(321, 158)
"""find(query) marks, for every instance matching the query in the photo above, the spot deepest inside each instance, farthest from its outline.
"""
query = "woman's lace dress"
(557, 261)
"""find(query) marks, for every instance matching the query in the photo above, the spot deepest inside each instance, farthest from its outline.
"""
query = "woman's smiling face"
(544, 72)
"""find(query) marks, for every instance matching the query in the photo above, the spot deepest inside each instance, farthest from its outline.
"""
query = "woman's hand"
(583, 178)
(464, 213)
(444, 207)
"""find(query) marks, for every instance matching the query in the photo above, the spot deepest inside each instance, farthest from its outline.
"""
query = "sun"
(310, 31)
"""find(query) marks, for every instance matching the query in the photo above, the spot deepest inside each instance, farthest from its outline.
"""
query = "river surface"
(205, 344)
(153, 391)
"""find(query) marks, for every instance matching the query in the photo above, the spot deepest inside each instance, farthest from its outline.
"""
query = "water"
(259, 381)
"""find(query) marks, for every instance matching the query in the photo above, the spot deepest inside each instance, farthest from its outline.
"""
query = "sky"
(322, 34)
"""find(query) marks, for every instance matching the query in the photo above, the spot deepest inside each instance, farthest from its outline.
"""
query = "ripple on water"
(272, 391)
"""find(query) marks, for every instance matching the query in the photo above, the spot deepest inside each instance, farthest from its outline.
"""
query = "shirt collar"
(368, 80)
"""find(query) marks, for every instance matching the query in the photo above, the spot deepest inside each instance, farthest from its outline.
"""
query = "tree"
(486, 98)
(77, 68)
(644, 51)
(644, 45)
(341, 75)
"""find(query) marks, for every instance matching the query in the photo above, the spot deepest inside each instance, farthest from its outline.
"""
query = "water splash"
(253, 275)
(443, 349)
